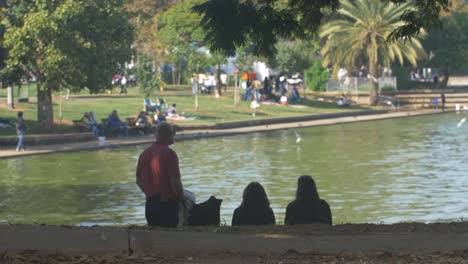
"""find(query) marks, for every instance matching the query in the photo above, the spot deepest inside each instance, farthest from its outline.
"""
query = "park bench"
(111, 131)
(80, 125)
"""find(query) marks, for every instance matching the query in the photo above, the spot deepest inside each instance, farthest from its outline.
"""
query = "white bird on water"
(298, 136)
(461, 122)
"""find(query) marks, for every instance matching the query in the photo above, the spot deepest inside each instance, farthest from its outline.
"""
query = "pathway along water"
(408, 169)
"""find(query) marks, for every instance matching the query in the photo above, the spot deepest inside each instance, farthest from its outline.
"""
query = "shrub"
(316, 76)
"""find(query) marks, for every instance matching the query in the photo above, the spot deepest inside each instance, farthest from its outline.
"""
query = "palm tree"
(361, 30)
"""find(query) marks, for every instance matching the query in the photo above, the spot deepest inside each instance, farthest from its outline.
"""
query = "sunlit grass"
(211, 110)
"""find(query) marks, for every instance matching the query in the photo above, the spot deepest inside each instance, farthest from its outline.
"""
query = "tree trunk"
(218, 78)
(179, 71)
(173, 73)
(158, 74)
(45, 114)
(10, 97)
(374, 91)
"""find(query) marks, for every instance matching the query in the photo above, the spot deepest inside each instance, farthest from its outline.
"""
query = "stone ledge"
(34, 140)
(64, 240)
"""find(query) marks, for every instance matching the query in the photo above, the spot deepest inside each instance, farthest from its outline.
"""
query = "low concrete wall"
(35, 140)
(142, 240)
(292, 119)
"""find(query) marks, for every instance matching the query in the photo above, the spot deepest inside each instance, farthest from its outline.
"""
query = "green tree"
(316, 77)
(234, 23)
(148, 81)
(294, 56)
(361, 30)
(178, 30)
(450, 45)
(196, 61)
(69, 44)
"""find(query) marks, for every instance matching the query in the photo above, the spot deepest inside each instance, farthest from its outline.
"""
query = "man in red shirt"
(158, 176)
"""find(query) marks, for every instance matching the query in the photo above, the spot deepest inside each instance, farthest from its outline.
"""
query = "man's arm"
(175, 178)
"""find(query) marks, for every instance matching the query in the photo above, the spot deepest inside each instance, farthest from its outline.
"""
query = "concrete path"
(9, 152)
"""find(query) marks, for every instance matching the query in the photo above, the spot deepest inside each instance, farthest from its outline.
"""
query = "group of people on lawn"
(158, 176)
(143, 122)
(113, 123)
(273, 91)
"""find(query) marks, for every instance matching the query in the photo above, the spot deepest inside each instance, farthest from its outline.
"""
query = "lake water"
(407, 169)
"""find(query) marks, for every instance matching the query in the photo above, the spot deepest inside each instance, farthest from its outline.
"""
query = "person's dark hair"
(254, 196)
(306, 189)
(20, 114)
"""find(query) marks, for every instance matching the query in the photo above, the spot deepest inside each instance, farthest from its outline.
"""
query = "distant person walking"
(123, 85)
(158, 176)
(20, 131)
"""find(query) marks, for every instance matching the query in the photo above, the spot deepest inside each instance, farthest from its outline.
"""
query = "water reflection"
(388, 171)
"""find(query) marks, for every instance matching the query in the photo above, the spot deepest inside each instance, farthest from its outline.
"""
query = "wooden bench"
(80, 125)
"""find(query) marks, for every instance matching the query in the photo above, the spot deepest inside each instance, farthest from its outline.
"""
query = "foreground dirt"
(228, 258)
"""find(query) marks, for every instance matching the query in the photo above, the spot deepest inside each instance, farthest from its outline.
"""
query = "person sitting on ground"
(158, 117)
(255, 208)
(172, 110)
(114, 122)
(172, 113)
(142, 124)
(307, 208)
(343, 101)
(150, 106)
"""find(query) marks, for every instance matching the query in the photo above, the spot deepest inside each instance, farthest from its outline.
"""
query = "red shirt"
(156, 166)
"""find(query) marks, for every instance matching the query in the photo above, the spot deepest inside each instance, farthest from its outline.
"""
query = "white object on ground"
(102, 141)
(461, 122)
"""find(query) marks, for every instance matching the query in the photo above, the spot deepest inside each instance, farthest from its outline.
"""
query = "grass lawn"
(211, 110)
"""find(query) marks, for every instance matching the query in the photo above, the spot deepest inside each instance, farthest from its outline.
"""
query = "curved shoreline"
(348, 243)
(234, 128)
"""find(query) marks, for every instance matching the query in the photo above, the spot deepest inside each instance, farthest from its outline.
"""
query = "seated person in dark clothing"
(255, 208)
(114, 122)
(308, 207)
(142, 124)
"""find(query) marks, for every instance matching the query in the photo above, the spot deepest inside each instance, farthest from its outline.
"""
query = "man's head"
(20, 114)
(165, 133)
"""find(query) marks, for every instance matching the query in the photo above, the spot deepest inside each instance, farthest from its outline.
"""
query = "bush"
(387, 88)
(316, 77)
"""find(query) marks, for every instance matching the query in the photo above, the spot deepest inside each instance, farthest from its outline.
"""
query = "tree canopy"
(233, 23)
(449, 47)
(361, 30)
(67, 44)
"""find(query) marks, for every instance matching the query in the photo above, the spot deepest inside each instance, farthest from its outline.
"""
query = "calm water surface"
(408, 169)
